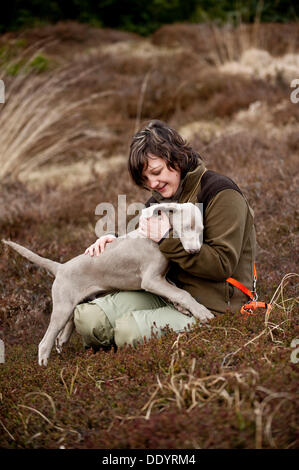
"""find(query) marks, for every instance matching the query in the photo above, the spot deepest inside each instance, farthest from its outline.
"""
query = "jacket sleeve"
(224, 231)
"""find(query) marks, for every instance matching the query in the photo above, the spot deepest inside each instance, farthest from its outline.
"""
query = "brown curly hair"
(159, 139)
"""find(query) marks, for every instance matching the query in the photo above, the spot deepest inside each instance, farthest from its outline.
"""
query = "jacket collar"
(186, 185)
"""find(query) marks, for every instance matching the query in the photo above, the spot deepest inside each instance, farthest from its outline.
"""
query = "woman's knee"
(126, 331)
(92, 324)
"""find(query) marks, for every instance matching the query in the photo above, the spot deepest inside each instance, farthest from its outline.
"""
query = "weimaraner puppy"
(131, 262)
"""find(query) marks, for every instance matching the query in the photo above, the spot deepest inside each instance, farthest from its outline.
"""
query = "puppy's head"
(186, 221)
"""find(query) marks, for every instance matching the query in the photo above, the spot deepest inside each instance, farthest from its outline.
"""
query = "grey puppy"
(131, 262)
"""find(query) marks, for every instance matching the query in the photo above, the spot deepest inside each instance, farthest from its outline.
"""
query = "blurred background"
(144, 17)
(81, 77)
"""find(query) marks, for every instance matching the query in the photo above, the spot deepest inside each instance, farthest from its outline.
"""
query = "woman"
(162, 162)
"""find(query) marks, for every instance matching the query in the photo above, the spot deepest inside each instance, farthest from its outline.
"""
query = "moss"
(39, 64)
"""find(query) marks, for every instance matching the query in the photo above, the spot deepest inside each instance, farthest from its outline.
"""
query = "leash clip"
(254, 292)
(252, 304)
(249, 307)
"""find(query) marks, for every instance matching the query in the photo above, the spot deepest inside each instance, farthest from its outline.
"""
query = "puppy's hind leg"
(59, 318)
(65, 334)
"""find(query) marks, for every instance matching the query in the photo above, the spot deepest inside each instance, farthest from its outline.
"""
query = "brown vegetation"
(65, 132)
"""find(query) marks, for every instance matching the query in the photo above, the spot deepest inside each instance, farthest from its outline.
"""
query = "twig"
(280, 287)
(69, 391)
(252, 341)
(5, 429)
(59, 428)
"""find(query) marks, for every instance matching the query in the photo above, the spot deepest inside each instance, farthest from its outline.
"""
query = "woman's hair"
(159, 139)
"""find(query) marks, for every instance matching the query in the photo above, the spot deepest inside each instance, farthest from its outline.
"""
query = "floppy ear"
(188, 218)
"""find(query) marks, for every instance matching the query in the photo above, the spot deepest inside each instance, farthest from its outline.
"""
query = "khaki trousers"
(127, 317)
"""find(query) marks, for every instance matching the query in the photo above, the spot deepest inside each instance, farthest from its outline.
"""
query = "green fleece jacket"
(229, 242)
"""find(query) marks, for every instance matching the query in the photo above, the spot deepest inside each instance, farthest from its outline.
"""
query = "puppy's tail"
(46, 263)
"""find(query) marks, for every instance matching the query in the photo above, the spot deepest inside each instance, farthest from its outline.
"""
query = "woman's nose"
(153, 183)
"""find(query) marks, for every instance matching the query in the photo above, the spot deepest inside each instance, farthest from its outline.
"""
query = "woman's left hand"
(155, 227)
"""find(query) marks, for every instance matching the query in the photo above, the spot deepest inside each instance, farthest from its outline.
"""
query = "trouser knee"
(126, 331)
(92, 324)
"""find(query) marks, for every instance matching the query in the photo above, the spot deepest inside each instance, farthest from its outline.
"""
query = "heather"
(75, 94)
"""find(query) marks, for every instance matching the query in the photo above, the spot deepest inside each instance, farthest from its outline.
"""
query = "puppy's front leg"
(180, 308)
(160, 286)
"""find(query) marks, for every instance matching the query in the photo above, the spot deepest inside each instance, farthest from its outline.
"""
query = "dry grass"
(87, 109)
(36, 111)
(64, 137)
(234, 389)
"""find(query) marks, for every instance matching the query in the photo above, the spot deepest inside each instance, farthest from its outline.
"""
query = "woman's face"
(161, 178)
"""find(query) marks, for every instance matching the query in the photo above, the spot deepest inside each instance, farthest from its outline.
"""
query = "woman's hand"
(155, 227)
(99, 245)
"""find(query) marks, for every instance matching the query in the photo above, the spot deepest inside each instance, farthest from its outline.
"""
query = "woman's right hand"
(99, 245)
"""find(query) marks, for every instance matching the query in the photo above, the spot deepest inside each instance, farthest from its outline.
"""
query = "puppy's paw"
(43, 361)
(58, 346)
(191, 245)
(43, 354)
(182, 309)
(192, 250)
(203, 314)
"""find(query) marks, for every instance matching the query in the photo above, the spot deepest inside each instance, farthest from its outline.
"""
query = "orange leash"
(252, 303)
